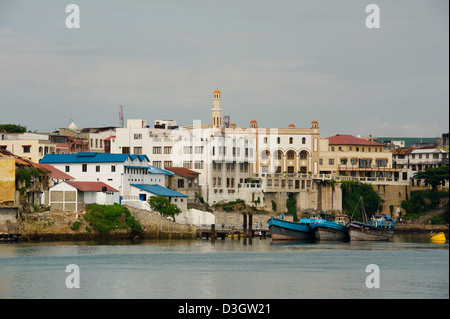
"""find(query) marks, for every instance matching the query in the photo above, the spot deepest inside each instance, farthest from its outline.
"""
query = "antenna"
(121, 116)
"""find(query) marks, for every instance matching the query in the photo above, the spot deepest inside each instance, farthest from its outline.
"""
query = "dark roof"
(56, 173)
(89, 157)
(90, 186)
(183, 172)
(340, 139)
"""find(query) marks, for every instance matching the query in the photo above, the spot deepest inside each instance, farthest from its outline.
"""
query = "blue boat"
(285, 230)
(324, 229)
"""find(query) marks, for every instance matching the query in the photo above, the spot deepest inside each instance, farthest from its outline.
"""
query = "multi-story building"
(32, 146)
(358, 158)
(131, 175)
(227, 158)
(412, 160)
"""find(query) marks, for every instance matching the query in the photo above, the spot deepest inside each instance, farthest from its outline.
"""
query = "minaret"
(216, 110)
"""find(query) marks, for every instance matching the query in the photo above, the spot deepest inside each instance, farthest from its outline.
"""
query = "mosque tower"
(216, 110)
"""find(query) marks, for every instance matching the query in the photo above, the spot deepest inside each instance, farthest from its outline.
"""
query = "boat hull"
(328, 233)
(284, 230)
(367, 233)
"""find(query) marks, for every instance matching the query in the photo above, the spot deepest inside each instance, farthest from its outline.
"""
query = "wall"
(9, 223)
(7, 180)
(392, 195)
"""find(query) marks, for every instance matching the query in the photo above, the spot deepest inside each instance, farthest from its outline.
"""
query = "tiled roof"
(89, 157)
(20, 161)
(184, 172)
(402, 150)
(341, 139)
(56, 173)
(159, 190)
(91, 186)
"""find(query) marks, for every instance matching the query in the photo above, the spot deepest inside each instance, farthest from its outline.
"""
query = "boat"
(378, 228)
(437, 238)
(281, 229)
(336, 229)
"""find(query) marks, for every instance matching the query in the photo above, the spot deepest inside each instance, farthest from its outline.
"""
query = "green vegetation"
(106, 218)
(274, 206)
(351, 194)
(291, 205)
(26, 175)
(433, 176)
(422, 202)
(76, 225)
(163, 206)
(231, 206)
(13, 128)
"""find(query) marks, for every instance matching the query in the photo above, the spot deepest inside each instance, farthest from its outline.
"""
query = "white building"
(226, 157)
(123, 172)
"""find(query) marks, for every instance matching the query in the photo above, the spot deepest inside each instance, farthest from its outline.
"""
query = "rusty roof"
(20, 161)
(183, 172)
(403, 150)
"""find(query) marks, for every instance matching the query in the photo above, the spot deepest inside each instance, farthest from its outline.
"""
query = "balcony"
(375, 168)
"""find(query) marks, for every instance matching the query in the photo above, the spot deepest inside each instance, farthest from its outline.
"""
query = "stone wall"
(392, 195)
(9, 222)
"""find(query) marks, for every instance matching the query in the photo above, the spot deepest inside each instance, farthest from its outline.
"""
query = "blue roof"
(156, 170)
(89, 157)
(159, 190)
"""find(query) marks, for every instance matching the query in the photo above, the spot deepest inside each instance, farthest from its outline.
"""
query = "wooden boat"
(438, 238)
(331, 230)
(376, 229)
(285, 230)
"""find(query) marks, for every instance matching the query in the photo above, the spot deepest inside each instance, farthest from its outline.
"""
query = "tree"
(163, 206)
(13, 128)
(433, 176)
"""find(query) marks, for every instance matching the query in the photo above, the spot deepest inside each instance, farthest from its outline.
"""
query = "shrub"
(105, 218)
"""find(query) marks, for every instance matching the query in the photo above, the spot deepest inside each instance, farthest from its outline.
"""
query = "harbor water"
(408, 267)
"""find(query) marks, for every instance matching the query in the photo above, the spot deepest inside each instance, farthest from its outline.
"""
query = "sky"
(275, 61)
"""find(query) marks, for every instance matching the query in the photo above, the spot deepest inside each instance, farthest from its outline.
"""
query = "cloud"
(394, 127)
(6, 31)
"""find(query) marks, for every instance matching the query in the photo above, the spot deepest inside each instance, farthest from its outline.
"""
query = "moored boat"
(282, 229)
(438, 238)
(378, 228)
(331, 230)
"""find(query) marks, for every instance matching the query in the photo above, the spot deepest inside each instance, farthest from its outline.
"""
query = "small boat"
(331, 230)
(437, 238)
(378, 228)
(285, 230)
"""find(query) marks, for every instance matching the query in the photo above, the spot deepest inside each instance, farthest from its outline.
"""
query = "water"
(409, 267)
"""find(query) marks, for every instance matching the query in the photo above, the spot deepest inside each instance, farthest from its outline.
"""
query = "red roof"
(183, 172)
(350, 140)
(91, 186)
(56, 173)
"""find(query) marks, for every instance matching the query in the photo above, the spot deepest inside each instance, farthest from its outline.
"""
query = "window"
(125, 150)
(331, 161)
(67, 168)
(187, 164)
(26, 148)
(265, 154)
(304, 140)
(138, 136)
(97, 168)
(157, 150)
(303, 155)
(113, 168)
(167, 149)
(168, 164)
(157, 164)
(187, 150)
(278, 155)
(138, 150)
(265, 140)
(290, 155)
(181, 183)
(278, 140)
(84, 167)
(199, 150)
(198, 164)
(291, 140)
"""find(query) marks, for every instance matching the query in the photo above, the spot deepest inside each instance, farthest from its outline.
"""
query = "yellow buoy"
(438, 238)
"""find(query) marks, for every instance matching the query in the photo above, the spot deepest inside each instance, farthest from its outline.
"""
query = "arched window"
(303, 155)
(278, 155)
(265, 154)
(290, 155)
(291, 140)
(278, 140)
(304, 140)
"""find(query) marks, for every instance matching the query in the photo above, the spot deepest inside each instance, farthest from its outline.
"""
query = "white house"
(75, 195)
(123, 172)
